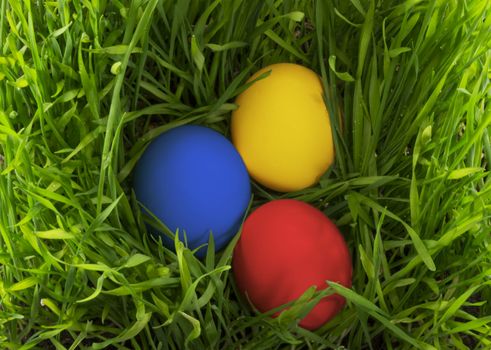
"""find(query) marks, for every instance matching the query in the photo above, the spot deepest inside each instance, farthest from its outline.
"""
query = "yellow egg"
(282, 130)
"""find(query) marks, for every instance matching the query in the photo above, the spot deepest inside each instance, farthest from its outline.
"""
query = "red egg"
(287, 246)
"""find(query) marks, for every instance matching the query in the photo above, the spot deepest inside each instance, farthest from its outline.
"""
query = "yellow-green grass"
(85, 85)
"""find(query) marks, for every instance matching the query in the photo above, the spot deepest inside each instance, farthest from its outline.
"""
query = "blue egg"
(193, 179)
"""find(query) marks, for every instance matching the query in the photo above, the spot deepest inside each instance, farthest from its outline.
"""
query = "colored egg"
(287, 246)
(282, 128)
(194, 180)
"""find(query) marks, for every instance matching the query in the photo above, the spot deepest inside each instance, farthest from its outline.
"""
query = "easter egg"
(194, 180)
(282, 128)
(287, 246)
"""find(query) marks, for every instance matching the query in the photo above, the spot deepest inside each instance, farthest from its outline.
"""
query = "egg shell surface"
(282, 128)
(194, 180)
(287, 246)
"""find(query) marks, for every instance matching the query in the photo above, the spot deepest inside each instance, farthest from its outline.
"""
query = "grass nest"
(85, 85)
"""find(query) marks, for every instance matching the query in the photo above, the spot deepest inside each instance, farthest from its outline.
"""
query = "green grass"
(85, 85)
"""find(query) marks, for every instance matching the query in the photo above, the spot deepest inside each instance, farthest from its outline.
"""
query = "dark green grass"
(85, 85)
